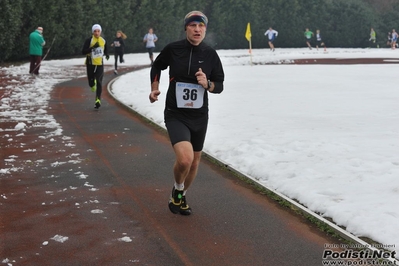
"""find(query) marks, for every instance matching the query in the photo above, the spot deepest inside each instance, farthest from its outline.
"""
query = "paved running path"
(111, 208)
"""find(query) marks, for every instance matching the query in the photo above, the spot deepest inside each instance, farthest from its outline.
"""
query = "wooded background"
(343, 23)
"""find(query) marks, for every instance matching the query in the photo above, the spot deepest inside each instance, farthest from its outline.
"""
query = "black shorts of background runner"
(150, 50)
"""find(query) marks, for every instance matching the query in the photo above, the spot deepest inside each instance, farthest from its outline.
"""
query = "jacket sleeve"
(106, 48)
(217, 75)
(86, 47)
(160, 63)
(43, 41)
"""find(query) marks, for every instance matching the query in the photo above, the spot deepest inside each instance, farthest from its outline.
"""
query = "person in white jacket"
(271, 35)
(150, 38)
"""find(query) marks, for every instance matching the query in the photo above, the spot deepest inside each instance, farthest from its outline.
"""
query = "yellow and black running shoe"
(175, 200)
(184, 208)
(97, 104)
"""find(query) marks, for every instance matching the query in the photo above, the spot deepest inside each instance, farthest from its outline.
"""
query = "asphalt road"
(103, 200)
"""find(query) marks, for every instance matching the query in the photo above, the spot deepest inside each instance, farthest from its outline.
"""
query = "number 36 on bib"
(189, 95)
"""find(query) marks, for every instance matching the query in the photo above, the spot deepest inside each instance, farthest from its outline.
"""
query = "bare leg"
(192, 174)
(185, 170)
(186, 165)
(271, 46)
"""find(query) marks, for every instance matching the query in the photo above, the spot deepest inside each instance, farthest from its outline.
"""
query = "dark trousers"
(95, 73)
(35, 61)
(120, 55)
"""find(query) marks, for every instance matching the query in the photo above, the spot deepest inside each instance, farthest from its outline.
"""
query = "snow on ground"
(324, 135)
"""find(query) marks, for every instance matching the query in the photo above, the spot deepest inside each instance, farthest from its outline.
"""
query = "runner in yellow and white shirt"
(95, 48)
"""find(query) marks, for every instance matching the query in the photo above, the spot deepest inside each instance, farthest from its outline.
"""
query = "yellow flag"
(248, 32)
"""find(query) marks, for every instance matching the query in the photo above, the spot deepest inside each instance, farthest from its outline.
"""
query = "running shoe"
(94, 87)
(115, 72)
(175, 200)
(97, 104)
(184, 208)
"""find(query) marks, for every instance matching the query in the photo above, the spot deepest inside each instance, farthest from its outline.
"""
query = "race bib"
(189, 95)
(97, 52)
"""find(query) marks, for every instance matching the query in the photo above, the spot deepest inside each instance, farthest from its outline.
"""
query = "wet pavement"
(97, 195)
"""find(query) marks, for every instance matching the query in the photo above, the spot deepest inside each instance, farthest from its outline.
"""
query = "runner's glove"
(107, 57)
(95, 45)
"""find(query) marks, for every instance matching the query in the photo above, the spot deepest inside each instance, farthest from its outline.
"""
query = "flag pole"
(250, 49)
(248, 36)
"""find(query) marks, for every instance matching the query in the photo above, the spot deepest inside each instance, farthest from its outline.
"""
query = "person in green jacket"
(36, 43)
(308, 38)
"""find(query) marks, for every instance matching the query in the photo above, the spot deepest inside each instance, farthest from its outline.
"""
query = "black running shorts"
(192, 132)
(150, 50)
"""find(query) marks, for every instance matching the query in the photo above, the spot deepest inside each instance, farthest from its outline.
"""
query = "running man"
(373, 36)
(195, 70)
(150, 39)
(271, 35)
(389, 39)
(308, 37)
(319, 41)
(95, 47)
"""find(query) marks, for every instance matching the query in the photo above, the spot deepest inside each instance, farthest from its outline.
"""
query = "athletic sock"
(179, 186)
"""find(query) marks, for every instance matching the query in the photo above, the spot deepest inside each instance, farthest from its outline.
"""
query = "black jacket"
(184, 60)
(119, 45)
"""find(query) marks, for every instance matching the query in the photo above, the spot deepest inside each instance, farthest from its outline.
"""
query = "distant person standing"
(36, 43)
(308, 38)
(271, 35)
(319, 41)
(394, 37)
(95, 47)
(119, 48)
(373, 37)
(150, 39)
